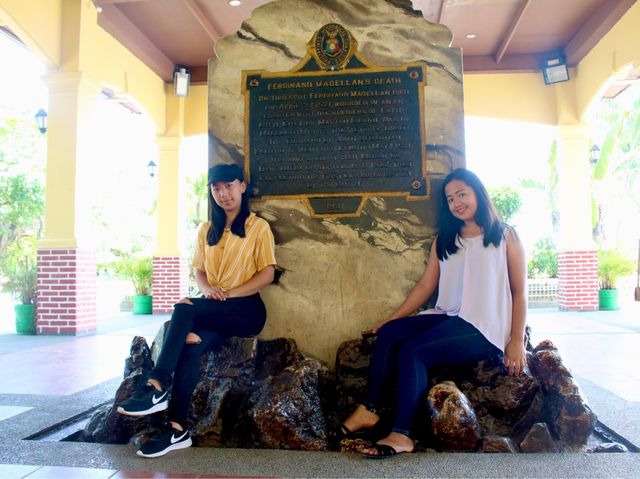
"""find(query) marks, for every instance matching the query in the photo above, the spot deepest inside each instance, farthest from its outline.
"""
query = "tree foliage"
(21, 209)
(507, 201)
(616, 175)
(544, 260)
(19, 267)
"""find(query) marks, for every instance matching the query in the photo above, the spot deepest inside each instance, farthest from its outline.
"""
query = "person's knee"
(185, 301)
(193, 338)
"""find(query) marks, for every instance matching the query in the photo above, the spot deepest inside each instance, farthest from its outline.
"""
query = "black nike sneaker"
(145, 400)
(169, 439)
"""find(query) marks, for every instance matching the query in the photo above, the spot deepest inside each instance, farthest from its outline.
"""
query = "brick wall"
(67, 286)
(170, 282)
(578, 280)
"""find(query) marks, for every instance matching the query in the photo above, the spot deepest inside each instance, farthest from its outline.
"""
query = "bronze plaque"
(335, 126)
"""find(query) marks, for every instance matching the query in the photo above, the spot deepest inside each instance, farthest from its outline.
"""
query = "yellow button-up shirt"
(234, 260)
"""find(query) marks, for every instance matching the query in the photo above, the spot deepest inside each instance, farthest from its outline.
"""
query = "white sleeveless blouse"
(474, 285)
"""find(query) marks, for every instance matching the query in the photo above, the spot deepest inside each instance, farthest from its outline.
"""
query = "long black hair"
(486, 217)
(218, 217)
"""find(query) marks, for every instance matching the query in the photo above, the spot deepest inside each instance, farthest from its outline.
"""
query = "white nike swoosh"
(175, 439)
(156, 400)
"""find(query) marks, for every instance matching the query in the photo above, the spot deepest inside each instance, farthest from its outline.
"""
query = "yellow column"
(69, 103)
(168, 228)
(66, 260)
(170, 267)
(574, 192)
(577, 255)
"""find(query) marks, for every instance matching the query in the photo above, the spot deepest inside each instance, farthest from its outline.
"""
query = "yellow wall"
(38, 23)
(618, 49)
(195, 110)
(65, 34)
(525, 97)
(514, 96)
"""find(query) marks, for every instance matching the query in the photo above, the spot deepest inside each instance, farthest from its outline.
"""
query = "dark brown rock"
(508, 398)
(206, 412)
(453, 422)
(287, 412)
(609, 447)
(569, 416)
(545, 345)
(538, 439)
(139, 356)
(106, 425)
(498, 444)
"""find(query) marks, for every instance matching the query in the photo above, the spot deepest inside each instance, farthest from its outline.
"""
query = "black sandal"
(383, 451)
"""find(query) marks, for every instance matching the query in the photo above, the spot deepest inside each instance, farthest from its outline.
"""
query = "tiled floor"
(12, 471)
(602, 347)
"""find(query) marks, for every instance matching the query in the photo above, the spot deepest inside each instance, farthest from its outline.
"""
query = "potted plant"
(19, 269)
(612, 265)
(139, 270)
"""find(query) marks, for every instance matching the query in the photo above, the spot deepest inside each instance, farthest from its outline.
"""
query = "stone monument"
(353, 227)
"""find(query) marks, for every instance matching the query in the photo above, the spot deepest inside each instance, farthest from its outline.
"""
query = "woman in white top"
(478, 264)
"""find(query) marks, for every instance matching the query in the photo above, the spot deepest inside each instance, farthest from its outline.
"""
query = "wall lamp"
(41, 120)
(151, 166)
(594, 154)
(181, 78)
(555, 70)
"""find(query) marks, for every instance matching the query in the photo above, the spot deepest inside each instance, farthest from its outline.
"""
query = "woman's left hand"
(515, 357)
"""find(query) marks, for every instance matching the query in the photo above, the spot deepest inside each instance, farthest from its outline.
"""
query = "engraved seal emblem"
(332, 47)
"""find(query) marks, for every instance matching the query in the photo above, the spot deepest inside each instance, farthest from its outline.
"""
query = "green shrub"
(19, 268)
(139, 270)
(612, 265)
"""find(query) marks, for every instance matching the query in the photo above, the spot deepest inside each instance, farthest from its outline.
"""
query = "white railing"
(543, 291)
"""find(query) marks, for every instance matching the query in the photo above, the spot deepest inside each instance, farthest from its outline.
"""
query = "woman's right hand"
(373, 330)
(215, 293)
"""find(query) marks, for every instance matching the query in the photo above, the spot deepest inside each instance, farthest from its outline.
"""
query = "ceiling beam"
(506, 40)
(107, 2)
(203, 20)
(595, 28)
(120, 27)
(441, 11)
(528, 62)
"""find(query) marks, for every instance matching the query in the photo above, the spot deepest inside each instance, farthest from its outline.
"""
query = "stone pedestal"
(341, 274)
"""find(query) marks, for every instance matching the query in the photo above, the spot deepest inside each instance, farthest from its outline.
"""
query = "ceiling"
(510, 35)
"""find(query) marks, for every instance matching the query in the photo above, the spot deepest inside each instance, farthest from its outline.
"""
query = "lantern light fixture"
(594, 154)
(41, 120)
(151, 167)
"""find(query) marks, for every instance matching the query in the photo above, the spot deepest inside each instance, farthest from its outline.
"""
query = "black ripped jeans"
(214, 321)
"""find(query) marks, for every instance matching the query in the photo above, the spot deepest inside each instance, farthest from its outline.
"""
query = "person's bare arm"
(515, 356)
(420, 293)
(206, 289)
(255, 284)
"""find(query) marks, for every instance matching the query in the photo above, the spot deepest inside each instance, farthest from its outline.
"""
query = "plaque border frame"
(370, 67)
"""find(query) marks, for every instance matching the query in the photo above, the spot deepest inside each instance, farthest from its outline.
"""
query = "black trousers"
(214, 321)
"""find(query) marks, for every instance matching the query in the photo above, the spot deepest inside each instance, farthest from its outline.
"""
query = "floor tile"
(16, 471)
(60, 472)
(64, 368)
(9, 411)
(126, 474)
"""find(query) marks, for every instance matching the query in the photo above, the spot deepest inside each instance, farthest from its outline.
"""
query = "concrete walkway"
(45, 379)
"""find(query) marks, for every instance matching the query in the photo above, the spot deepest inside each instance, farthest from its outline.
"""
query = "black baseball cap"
(226, 173)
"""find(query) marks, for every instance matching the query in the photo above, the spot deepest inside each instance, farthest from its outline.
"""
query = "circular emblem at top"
(332, 47)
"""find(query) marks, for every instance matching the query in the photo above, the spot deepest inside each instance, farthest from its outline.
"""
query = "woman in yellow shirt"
(234, 260)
